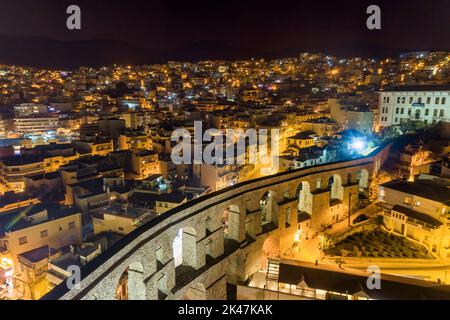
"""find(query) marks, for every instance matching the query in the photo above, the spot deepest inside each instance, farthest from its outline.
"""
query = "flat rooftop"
(427, 189)
(430, 87)
(350, 281)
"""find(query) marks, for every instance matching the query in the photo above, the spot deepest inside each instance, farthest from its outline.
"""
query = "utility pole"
(349, 207)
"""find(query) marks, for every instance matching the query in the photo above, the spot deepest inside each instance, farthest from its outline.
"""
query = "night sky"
(152, 31)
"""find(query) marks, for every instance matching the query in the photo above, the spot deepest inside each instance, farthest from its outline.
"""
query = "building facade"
(428, 103)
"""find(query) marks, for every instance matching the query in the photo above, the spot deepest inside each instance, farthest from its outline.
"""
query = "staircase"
(273, 270)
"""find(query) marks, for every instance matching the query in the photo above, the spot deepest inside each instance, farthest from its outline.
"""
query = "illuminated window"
(44, 234)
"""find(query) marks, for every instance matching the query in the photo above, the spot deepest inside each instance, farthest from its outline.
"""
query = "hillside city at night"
(292, 174)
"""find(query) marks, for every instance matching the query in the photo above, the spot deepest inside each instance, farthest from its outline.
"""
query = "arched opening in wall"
(159, 254)
(336, 189)
(196, 291)
(161, 285)
(185, 251)
(267, 207)
(122, 287)
(363, 180)
(250, 231)
(305, 197)
(349, 178)
(287, 217)
(131, 283)
(230, 222)
(270, 250)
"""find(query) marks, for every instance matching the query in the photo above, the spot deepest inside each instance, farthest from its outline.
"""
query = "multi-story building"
(30, 227)
(167, 201)
(6, 126)
(14, 169)
(120, 218)
(30, 109)
(98, 147)
(78, 256)
(324, 127)
(426, 103)
(419, 211)
(35, 125)
(351, 116)
(218, 176)
(31, 269)
(134, 141)
(302, 140)
(144, 163)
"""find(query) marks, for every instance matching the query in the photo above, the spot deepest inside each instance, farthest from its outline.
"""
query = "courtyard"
(377, 244)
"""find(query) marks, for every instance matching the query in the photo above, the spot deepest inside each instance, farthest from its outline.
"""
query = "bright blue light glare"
(358, 144)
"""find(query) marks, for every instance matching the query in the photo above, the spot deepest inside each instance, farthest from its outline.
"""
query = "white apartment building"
(427, 103)
(35, 124)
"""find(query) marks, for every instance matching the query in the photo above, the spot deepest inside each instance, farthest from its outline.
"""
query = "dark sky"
(259, 26)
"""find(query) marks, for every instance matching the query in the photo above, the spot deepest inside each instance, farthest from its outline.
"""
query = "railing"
(424, 225)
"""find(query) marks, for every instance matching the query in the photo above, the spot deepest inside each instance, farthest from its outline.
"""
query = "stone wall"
(216, 258)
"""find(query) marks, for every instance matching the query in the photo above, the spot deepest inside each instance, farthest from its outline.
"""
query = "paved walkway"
(342, 226)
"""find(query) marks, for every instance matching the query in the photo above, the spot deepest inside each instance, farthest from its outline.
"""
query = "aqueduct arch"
(230, 222)
(200, 222)
(267, 207)
(185, 248)
(363, 179)
(335, 187)
(304, 197)
(131, 283)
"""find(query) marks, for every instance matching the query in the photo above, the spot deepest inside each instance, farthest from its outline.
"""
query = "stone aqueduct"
(214, 253)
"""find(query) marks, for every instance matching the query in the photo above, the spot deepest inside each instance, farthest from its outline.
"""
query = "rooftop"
(418, 216)
(54, 211)
(427, 189)
(408, 88)
(38, 254)
(350, 281)
(303, 135)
